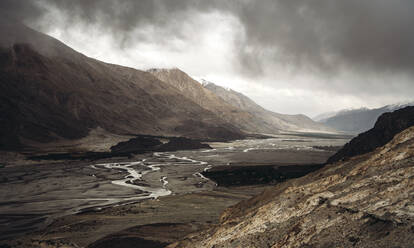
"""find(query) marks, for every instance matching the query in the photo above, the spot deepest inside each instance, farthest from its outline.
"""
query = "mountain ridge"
(284, 122)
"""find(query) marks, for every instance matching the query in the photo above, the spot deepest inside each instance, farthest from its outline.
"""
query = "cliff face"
(387, 125)
(366, 201)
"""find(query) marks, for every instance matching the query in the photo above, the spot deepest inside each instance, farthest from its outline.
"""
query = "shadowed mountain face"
(50, 92)
(266, 118)
(358, 120)
(360, 202)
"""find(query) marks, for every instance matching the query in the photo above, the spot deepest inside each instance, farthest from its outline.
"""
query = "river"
(32, 196)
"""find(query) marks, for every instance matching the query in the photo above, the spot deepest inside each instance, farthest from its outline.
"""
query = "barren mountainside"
(265, 117)
(208, 100)
(234, 107)
(50, 92)
(365, 201)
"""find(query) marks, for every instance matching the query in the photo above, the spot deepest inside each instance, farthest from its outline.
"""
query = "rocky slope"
(366, 201)
(388, 125)
(50, 92)
(266, 118)
(357, 120)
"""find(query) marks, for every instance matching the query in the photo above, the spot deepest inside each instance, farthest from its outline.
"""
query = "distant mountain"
(356, 120)
(269, 119)
(384, 130)
(50, 92)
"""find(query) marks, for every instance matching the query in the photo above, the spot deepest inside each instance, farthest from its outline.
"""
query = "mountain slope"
(363, 202)
(49, 92)
(386, 127)
(300, 123)
(357, 120)
(208, 100)
(234, 107)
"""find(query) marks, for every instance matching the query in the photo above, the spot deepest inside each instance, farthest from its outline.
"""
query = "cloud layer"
(359, 50)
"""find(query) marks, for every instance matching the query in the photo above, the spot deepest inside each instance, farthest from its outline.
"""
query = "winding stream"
(137, 170)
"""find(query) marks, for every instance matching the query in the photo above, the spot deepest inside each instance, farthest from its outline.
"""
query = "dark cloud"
(327, 34)
(21, 10)
(318, 37)
(308, 34)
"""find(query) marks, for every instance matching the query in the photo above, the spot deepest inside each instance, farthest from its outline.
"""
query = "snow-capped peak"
(205, 82)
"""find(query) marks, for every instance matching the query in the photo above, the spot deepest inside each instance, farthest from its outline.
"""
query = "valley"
(48, 197)
(185, 124)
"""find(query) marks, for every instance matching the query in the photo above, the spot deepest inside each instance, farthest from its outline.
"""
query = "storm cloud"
(348, 48)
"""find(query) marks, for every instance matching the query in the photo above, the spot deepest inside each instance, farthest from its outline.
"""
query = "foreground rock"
(366, 201)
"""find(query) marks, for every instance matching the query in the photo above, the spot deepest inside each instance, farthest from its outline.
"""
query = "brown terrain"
(235, 107)
(149, 223)
(264, 117)
(365, 201)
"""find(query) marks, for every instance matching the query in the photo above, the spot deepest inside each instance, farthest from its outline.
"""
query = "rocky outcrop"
(387, 125)
(366, 201)
(181, 143)
(136, 145)
(253, 175)
(143, 144)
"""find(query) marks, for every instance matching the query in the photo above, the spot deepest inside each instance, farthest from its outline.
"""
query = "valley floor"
(84, 205)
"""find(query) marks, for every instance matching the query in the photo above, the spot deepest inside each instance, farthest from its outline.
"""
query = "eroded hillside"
(366, 201)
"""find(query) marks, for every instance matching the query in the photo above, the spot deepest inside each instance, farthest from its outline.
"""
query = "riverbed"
(32, 197)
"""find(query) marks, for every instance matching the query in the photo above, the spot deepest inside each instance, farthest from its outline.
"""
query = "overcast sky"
(291, 56)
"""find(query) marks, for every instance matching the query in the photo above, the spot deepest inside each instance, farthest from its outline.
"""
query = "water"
(31, 197)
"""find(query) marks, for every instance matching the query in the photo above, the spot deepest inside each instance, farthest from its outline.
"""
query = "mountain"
(386, 127)
(361, 202)
(203, 97)
(266, 118)
(50, 92)
(356, 120)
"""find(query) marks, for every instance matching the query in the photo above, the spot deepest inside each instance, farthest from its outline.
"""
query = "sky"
(296, 56)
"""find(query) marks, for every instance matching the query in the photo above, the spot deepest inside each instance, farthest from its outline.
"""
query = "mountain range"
(356, 121)
(265, 118)
(236, 108)
(50, 92)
